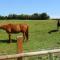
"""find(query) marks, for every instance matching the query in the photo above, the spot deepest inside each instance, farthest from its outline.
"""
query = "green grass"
(39, 38)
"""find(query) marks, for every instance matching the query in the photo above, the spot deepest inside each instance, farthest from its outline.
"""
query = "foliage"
(44, 16)
(35, 16)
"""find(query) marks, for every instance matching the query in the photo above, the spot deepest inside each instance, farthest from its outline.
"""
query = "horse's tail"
(27, 33)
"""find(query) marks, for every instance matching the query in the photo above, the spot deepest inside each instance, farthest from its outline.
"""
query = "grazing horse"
(58, 24)
(15, 28)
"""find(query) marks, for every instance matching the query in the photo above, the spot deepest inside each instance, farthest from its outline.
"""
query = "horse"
(58, 24)
(16, 28)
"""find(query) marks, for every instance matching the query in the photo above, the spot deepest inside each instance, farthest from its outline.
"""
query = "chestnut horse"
(16, 28)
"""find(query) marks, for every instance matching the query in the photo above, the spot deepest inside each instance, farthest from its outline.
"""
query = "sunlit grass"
(39, 38)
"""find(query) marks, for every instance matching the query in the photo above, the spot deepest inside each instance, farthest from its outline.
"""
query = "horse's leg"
(58, 24)
(10, 38)
(23, 36)
(26, 34)
(57, 27)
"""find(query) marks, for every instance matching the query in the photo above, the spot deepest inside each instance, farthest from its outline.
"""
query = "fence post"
(20, 45)
(50, 56)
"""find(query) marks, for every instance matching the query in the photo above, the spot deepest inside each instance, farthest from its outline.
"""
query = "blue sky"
(52, 7)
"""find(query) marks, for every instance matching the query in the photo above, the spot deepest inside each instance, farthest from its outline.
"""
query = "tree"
(44, 16)
(35, 16)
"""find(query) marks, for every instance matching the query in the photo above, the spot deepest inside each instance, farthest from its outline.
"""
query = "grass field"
(39, 38)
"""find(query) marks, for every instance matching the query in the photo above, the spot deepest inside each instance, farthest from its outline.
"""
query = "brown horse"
(15, 28)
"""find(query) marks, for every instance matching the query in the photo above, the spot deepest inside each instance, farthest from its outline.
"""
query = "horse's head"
(2, 26)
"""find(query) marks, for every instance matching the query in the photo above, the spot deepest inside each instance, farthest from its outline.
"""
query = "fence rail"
(30, 54)
(21, 54)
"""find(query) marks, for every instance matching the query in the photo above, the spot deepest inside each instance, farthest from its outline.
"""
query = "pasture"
(39, 38)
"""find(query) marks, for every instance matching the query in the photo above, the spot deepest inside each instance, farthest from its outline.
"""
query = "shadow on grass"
(7, 41)
(52, 31)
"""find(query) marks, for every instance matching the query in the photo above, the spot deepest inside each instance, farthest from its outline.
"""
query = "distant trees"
(35, 16)
(44, 16)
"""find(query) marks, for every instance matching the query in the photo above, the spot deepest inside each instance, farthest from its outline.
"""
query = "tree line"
(35, 16)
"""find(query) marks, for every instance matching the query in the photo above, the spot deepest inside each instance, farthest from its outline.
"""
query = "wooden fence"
(49, 52)
(20, 53)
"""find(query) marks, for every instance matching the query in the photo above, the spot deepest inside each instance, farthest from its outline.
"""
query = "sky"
(51, 7)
